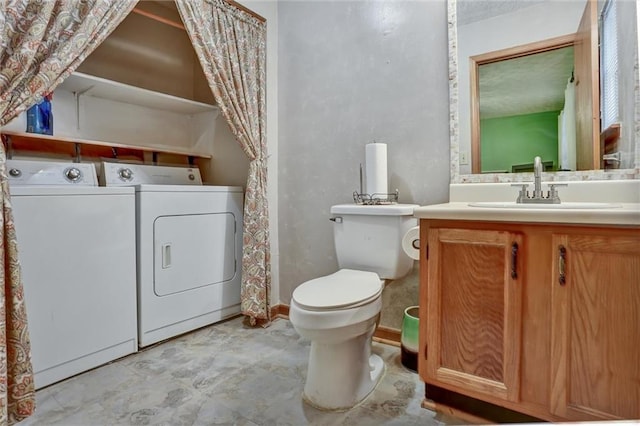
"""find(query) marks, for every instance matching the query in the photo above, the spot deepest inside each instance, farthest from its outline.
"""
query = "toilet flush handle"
(336, 219)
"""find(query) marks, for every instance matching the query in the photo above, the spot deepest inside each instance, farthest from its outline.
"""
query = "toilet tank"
(369, 238)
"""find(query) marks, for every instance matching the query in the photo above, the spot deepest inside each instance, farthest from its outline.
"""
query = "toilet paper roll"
(411, 243)
(376, 169)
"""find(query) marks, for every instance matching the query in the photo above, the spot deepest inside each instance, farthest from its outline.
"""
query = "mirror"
(490, 32)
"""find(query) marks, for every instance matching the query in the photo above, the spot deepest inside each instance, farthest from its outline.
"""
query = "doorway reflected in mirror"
(526, 107)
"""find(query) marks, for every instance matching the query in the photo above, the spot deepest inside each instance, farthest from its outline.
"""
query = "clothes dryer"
(76, 244)
(189, 248)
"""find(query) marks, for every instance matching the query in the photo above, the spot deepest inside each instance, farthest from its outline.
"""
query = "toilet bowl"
(339, 312)
(342, 370)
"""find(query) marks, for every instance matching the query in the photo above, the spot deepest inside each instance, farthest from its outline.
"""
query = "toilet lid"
(343, 289)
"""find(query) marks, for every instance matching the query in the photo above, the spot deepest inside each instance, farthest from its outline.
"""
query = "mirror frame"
(454, 134)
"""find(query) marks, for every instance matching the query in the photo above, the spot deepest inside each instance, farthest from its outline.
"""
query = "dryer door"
(193, 251)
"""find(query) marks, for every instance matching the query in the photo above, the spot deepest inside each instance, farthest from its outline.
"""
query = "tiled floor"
(225, 374)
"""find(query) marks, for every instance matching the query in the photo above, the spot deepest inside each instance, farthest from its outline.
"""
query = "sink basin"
(561, 206)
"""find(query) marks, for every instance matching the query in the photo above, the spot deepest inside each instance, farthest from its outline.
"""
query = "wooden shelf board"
(47, 140)
(609, 137)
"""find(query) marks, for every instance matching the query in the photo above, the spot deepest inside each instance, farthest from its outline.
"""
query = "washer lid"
(340, 290)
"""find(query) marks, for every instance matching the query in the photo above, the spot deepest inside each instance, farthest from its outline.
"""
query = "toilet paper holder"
(375, 199)
(411, 243)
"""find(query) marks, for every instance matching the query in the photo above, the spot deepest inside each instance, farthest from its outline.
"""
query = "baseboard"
(280, 311)
(390, 336)
(387, 335)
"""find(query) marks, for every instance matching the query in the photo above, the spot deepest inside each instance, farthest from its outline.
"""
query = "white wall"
(351, 72)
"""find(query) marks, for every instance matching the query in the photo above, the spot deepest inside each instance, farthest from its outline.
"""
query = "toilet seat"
(344, 289)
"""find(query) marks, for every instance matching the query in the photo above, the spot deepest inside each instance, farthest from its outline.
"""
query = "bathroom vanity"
(534, 309)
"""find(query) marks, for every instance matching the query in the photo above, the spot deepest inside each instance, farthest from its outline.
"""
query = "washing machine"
(189, 248)
(76, 244)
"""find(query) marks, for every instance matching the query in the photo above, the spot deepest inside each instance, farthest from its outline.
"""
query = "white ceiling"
(469, 11)
(525, 85)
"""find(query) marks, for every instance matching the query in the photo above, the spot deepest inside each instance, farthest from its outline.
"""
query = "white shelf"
(112, 90)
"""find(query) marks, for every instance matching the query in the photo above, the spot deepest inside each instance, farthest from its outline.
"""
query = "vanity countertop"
(625, 194)
(626, 214)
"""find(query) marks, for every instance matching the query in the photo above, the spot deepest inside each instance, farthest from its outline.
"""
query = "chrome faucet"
(538, 197)
(537, 177)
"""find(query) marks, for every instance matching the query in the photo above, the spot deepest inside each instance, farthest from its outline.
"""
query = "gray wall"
(351, 73)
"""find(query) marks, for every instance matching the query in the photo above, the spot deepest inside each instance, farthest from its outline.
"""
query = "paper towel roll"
(376, 169)
(411, 243)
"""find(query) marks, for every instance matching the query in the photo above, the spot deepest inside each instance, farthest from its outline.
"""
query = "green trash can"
(409, 338)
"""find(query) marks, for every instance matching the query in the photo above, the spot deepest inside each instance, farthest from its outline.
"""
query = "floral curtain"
(231, 46)
(41, 44)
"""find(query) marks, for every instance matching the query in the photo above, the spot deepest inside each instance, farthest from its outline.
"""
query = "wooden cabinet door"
(473, 301)
(595, 331)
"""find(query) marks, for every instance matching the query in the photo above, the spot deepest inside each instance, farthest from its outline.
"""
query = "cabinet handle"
(514, 260)
(562, 264)
(166, 255)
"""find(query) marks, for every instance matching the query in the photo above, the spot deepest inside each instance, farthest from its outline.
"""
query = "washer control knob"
(15, 173)
(192, 176)
(73, 174)
(125, 174)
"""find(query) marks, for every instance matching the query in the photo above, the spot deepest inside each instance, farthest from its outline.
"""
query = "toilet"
(339, 312)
